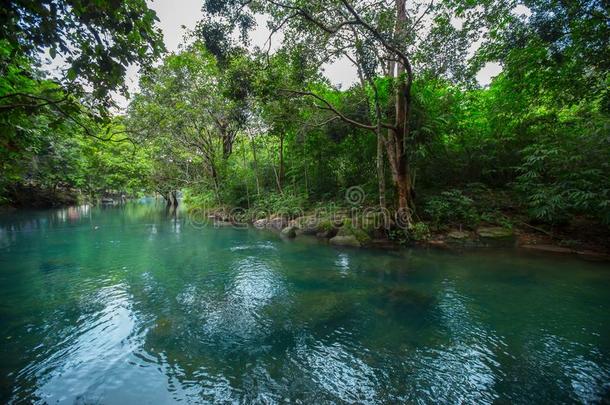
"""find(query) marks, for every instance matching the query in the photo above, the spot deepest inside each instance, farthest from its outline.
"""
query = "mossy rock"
(495, 232)
(345, 240)
(458, 235)
(327, 234)
(360, 235)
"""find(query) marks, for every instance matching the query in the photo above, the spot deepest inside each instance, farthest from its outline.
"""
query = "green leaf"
(71, 74)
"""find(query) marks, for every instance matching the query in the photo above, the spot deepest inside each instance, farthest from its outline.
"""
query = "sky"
(177, 16)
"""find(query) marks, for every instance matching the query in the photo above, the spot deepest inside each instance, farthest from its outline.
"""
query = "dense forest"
(260, 128)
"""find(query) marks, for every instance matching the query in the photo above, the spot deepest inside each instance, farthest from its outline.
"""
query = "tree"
(96, 41)
(188, 106)
(387, 39)
(92, 43)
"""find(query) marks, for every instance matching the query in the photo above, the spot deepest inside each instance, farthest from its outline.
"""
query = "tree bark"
(258, 187)
(214, 174)
(380, 170)
(396, 142)
(281, 171)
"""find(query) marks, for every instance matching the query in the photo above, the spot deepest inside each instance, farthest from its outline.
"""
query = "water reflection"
(463, 370)
(79, 365)
(237, 316)
(338, 372)
(576, 367)
(342, 263)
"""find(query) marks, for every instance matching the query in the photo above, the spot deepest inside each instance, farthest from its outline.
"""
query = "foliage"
(289, 205)
(419, 231)
(55, 129)
(451, 207)
(200, 198)
(96, 40)
(563, 175)
(264, 130)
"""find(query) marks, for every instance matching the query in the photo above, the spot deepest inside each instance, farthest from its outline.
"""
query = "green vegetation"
(236, 126)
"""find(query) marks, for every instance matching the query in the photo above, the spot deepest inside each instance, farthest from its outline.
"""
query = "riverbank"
(372, 230)
(37, 197)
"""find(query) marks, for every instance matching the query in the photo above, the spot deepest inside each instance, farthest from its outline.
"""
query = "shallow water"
(119, 305)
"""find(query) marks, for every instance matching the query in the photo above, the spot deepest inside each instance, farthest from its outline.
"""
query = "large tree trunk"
(396, 142)
(401, 175)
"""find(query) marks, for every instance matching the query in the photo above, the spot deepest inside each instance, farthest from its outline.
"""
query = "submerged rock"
(345, 240)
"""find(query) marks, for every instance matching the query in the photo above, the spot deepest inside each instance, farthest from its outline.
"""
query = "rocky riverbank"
(346, 231)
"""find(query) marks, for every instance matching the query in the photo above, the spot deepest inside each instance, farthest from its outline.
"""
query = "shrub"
(419, 231)
(199, 199)
(289, 205)
(564, 176)
(451, 208)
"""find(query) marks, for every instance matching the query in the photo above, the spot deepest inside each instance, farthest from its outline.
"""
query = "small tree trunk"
(215, 180)
(277, 180)
(258, 187)
(380, 171)
(281, 174)
(246, 179)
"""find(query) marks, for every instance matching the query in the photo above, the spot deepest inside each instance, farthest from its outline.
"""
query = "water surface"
(133, 304)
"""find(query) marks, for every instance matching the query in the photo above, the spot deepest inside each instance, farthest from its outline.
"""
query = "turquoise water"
(134, 305)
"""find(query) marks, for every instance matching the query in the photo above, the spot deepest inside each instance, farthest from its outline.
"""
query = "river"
(119, 305)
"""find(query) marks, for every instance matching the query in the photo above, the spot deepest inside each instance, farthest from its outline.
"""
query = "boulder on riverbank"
(309, 225)
(290, 231)
(495, 232)
(345, 240)
(276, 223)
(349, 235)
(458, 235)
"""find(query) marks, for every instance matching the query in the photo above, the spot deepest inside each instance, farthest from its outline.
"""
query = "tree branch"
(328, 106)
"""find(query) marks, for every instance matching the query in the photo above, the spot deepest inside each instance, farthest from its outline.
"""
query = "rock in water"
(289, 231)
(260, 223)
